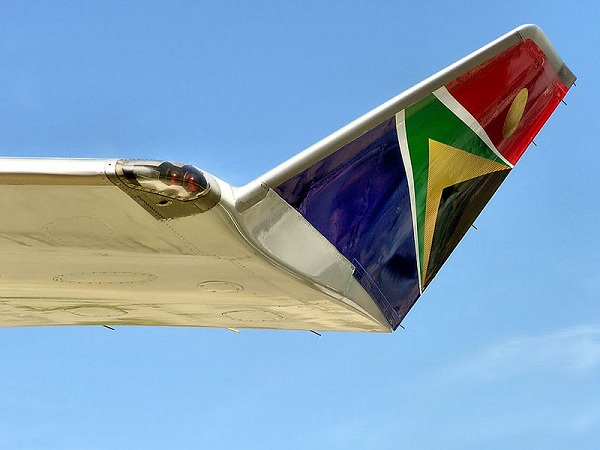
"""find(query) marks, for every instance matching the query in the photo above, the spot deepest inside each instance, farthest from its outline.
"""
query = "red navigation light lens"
(174, 177)
(191, 182)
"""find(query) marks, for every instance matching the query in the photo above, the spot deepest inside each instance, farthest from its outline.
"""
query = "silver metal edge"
(52, 171)
(257, 189)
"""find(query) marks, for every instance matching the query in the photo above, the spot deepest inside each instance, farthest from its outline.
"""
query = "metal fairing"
(288, 240)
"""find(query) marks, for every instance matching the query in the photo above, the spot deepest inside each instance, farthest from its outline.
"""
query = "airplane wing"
(346, 235)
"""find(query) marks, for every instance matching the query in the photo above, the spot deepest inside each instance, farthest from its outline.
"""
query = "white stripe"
(403, 142)
(459, 110)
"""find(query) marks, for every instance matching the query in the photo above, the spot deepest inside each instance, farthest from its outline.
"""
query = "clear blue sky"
(502, 351)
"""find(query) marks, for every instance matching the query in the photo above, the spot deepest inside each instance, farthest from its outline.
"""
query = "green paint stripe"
(428, 119)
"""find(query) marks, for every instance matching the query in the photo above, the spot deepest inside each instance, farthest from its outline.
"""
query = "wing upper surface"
(78, 250)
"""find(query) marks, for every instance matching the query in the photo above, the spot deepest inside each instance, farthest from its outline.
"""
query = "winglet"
(397, 189)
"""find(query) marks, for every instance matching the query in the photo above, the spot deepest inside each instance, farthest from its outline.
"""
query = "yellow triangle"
(448, 166)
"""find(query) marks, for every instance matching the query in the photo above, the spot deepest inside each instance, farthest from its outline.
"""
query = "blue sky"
(503, 349)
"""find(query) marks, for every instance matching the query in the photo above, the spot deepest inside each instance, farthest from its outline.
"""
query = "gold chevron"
(448, 166)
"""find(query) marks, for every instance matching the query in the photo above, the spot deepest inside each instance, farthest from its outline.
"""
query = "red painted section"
(487, 93)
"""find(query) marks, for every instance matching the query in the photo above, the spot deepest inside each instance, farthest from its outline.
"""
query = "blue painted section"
(379, 297)
(358, 199)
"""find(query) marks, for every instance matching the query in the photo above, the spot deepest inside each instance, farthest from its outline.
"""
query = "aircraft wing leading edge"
(344, 236)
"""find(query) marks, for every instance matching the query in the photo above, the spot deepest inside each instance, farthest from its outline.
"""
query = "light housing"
(174, 180)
